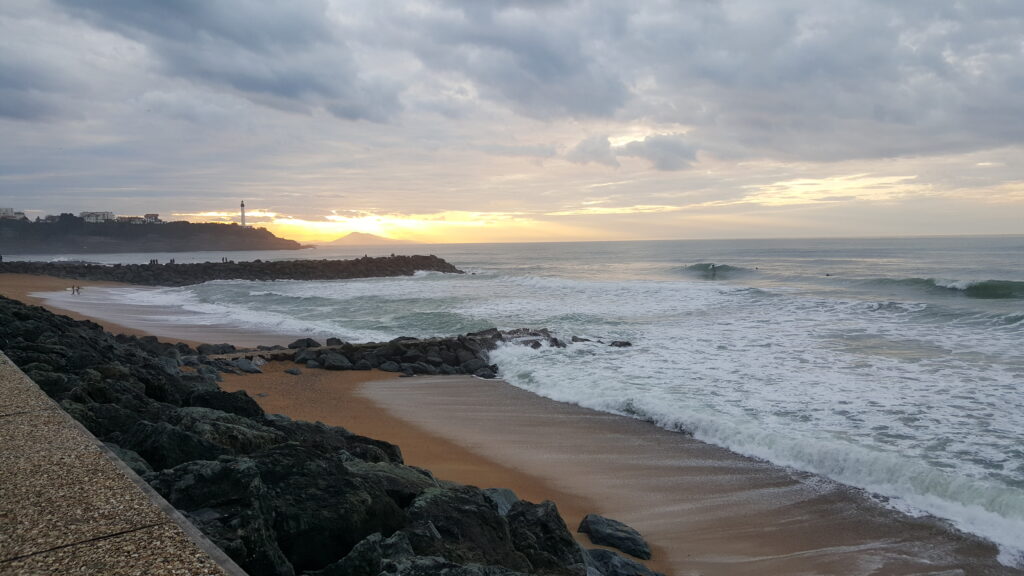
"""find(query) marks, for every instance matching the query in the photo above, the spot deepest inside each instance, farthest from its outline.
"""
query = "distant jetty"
(155, 274)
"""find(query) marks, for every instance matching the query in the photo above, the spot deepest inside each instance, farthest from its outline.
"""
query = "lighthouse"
(243, 213)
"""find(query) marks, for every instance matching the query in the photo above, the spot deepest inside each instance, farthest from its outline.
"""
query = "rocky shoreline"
(290, 497)
(170, 274)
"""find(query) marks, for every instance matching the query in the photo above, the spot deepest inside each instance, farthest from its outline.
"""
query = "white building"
(96, 217)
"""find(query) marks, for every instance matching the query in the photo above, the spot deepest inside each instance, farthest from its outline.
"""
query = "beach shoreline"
(439, 429)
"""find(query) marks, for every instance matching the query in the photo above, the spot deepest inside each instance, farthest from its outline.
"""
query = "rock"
(608, 532)
(502, 498)
(334, 342)
(486, 372)
(390, 366)
(304, 343)
(470, 529)
(620, 344)
(305, 355)
(335, 361)
(247, 366)
(137, 463)
(473, 365)
(211, 349)
(293, 371)
(232, 402)
(312, 364)
(540, 534)
(228, 501)
(166, 446)
(611, 564)
(363, 365)
(321, 508)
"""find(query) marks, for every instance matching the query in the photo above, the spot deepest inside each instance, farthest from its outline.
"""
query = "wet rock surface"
(608, 532)
(277, 495)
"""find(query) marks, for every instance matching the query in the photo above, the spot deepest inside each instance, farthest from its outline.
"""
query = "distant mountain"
(363, 239)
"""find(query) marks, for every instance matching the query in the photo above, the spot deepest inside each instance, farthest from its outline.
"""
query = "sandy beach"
(704, 509)
(22, 286)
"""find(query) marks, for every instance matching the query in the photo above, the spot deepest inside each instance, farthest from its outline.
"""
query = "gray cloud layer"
(138, 93)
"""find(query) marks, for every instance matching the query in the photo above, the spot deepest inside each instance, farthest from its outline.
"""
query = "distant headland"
(103, 232)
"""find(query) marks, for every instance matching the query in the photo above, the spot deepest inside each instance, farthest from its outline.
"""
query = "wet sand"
(54, 293)
(23, 286)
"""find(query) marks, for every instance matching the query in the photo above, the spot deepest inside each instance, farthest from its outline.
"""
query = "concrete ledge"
(68, 505)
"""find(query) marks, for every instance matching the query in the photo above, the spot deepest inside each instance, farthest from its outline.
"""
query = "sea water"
(892, 365)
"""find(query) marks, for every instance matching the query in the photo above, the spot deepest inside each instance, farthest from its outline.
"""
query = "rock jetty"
(282, 497)
(155, 274)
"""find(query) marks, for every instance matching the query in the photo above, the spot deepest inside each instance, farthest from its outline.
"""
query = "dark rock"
(321, 508)
(621, 344)
(312, 364)
(233, 402)
(305, 355)
(470, 529)
(611, 564)
(608, 532)
(473, 365)
(247, 366)
(334, 342)
(540, 534)
(502, 498)
(228, 501)
(210, 349)
(390, 366)
(137, 463)
(293, 371)
(166, 446)
(363, 365)
(486, 372)
(304, 343)
(335, 361)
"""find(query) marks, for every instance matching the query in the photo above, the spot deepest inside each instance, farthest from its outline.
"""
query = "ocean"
(891, 365)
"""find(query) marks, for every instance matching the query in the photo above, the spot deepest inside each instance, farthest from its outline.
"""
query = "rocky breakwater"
(156, 274)
(281, 497)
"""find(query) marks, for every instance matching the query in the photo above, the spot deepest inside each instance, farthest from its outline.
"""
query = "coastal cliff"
(185, 274)
(72, 235)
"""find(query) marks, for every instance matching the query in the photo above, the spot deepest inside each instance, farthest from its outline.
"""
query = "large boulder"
(540, 534)
(304, 343)
(608, 532)
(239, 402)
(166, 446)
(467, 526)
(228, 501)
(609, 563)
(335, 361)
(321, 508)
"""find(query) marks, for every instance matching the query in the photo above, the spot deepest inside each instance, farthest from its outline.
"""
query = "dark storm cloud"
(281, 54)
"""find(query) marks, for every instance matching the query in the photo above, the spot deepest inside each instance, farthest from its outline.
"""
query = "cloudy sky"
(505, 120)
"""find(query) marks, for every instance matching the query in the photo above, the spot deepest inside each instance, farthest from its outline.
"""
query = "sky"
(529, 120)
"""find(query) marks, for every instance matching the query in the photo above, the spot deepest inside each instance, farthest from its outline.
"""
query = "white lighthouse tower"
(243, 213)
